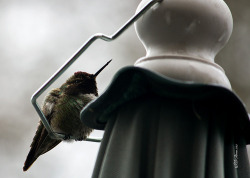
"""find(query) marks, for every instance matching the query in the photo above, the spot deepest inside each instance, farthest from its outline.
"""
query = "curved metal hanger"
(70, 61)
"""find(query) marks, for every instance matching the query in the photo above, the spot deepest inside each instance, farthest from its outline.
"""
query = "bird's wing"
(42, 142)
(70, 107)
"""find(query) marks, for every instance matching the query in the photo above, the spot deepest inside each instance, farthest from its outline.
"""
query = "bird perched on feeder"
(62, 108)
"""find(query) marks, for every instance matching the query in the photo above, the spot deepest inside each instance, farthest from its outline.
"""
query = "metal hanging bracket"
(70, 61)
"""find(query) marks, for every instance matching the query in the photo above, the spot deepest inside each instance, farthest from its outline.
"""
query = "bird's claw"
(67, 137)
(81, 139)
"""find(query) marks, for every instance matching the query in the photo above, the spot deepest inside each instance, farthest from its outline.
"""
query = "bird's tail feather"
(41, 144)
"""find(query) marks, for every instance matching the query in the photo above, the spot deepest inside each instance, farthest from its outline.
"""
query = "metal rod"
(94, 139)
(68, 63)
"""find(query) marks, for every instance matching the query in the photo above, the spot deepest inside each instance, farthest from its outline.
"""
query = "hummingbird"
(62, 108)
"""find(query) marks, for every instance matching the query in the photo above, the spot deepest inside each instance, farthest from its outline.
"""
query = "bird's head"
(82, 83)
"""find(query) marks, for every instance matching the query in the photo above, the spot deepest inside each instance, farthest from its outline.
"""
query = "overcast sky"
(37, 37)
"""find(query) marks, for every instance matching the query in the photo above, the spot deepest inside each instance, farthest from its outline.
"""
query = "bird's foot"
(67, 137)
(80, 139)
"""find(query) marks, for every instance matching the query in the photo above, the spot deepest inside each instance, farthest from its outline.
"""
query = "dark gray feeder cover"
(158, 127)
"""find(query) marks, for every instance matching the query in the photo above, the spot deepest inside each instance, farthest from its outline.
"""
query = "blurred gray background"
(37, 37)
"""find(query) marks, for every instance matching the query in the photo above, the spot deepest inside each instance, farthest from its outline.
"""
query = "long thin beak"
(95, 75)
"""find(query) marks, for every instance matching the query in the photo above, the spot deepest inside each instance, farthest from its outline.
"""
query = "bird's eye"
(77, 81)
